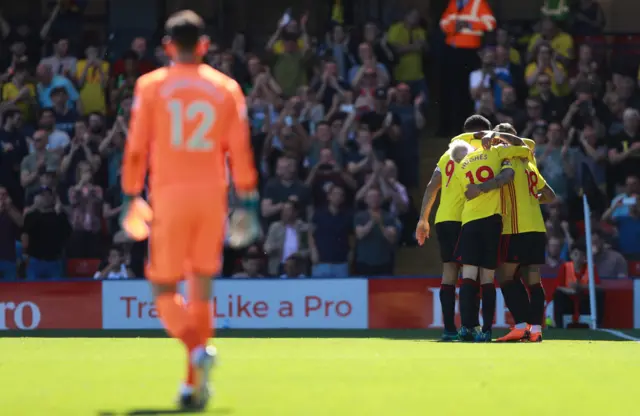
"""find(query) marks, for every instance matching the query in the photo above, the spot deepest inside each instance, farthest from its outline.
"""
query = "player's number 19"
(198, 140)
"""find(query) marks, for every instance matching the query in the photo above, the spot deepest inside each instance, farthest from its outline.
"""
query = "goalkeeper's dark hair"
(476, 123)
(505, 128)
(185, 29)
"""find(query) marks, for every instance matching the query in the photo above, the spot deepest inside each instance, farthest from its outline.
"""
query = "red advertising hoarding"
(51, 305)
(414, 303)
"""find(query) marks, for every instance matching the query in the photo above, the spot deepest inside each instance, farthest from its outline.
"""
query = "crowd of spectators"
(335, 126)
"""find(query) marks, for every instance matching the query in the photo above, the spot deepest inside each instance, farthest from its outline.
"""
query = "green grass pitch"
(325, 373)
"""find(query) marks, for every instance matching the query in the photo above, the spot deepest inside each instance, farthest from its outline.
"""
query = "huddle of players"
(490, 225)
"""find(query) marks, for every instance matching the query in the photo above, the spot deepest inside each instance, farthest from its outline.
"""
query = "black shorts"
(525, 249)
(448, 233)
(479, 243)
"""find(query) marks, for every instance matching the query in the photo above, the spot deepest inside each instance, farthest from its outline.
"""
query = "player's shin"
(468, 293)
(448, 296)
(200, 307)
(173, 315)
(488, 299)
(536, 309)
(514, 293)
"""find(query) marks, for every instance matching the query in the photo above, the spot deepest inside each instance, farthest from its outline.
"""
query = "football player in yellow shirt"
(523, 243)
(447, 222)
(478, 245)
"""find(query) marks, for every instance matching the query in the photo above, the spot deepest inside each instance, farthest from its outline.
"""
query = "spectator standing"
(572, 287)
(376, 236)
(591, 166)
(628, 229)
(281, 188)
(624, 149)
(464, 22)
(555, 161)
(628, 197)
(61, 63)
(384, 126)
(286, 238)
(409, 41)
(510, 111)
(57, 140)
(547, 62)
(81, 149)
(111, 150)
(292, 55)
(65, 115)
(329, 240)
(504, 40)
(44, 237)
(368, 65)
(412, 121)
(21, 93)
(141, 65)
(48, 81)
(488, 78)
(326, 174)
(85, 200)
(13, 148)
(41, 160)
(329, 85)
(551, 35)
(382, 52)
(607, 261)
(11, 221)
(553, 106)
(93, 77)
(123, 82)
(337, 44)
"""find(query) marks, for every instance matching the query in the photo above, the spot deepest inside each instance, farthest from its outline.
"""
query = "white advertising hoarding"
(250, 304)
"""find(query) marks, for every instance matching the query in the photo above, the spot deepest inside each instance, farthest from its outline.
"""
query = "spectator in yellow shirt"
(547, 63)
(20, 93)
(93, 76)
(289, 27)
(561, 42)
(409, 41)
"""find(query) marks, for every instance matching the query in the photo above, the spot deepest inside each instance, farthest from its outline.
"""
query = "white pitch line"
(619, 334)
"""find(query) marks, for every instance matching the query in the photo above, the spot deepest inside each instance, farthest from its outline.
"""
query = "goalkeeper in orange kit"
(187, 121)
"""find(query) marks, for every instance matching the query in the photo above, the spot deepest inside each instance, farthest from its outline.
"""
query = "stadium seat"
(82, 267)
(634, 268)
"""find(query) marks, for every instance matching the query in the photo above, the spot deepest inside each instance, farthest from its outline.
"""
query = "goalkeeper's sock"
(175, 318)
(200, 315)
(536, 309)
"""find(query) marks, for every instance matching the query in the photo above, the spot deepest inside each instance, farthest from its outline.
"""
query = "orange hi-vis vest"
(475, 12)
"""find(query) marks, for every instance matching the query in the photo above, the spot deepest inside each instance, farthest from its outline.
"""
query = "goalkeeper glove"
(244, 223)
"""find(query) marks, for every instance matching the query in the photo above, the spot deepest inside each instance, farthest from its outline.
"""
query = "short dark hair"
(476, 123)
(185, 29)
(505, 128)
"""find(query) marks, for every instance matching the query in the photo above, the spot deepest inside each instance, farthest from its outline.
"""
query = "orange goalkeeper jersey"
(185, 120)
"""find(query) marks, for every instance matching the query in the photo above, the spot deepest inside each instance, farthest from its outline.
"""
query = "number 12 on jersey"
(198, 141)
